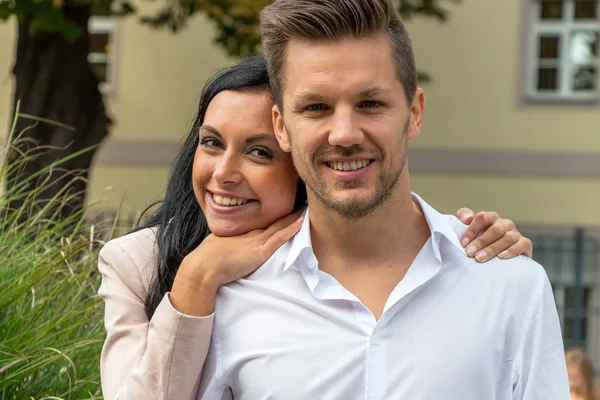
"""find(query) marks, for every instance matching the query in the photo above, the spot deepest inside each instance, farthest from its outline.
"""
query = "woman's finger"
(482, 221)
(523, 246)
(497, 231)
(495, 248)
(465, 215)
(277, 240)
(280, 224)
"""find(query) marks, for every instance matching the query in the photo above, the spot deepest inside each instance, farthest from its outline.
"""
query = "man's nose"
(345, 130)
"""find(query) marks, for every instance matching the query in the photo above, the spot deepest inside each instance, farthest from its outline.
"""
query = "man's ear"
(280, 131)
(417, 112)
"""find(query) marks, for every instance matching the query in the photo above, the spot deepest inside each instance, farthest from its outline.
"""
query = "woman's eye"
(210, 142)
(261, 152)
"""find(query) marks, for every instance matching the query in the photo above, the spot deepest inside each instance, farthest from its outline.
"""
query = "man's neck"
(381, 236)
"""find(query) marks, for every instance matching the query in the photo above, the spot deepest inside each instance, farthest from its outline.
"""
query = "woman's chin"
(226, 230)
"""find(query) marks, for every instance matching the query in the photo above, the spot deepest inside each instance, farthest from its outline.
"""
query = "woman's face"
(575, 378)
(242, 179)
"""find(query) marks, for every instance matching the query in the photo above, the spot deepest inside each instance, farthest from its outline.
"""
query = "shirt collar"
(438, 225)
(300, 242)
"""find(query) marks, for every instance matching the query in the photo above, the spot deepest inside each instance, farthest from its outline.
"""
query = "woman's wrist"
(194, 291)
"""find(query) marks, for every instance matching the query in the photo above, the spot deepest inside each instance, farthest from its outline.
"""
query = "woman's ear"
(280, 131)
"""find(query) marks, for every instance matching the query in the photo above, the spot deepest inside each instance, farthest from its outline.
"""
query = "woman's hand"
(220, 260)
(499, 236)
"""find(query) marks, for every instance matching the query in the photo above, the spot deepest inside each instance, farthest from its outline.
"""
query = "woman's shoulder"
(134, 250)
(141, 242)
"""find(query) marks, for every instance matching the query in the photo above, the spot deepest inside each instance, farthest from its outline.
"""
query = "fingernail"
(481, 256)
(465, 242)
(503, 254)
(471, 251)
(299, 220)
(465, 216)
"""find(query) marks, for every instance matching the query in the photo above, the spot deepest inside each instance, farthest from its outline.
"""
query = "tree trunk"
(55, 81)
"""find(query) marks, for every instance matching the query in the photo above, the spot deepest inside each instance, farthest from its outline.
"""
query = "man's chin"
(351, 207)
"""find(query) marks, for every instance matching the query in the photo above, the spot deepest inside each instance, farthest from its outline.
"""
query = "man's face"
(347, 121)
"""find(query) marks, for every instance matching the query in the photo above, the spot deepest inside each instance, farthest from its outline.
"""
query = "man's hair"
(334, 20)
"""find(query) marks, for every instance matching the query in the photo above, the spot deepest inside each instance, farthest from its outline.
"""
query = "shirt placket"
(373, 352)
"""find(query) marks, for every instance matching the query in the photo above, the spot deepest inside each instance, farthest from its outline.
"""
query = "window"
(562, 53)
(574, 287)
(102, 34)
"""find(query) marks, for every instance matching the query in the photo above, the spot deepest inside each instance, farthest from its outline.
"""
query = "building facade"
(512, 123)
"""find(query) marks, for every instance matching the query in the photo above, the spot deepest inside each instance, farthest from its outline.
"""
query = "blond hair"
(334, 20)
(580, 359)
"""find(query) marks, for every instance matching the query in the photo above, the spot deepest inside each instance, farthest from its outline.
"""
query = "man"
(375, 297)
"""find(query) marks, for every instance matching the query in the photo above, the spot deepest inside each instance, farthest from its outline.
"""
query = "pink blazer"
(157, 359)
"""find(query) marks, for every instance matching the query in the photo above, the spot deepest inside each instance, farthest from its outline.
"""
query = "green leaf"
(125, 9)
(37, 25)
(5, 10)
(53, 21)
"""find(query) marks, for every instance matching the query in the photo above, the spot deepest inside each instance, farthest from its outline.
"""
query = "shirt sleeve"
(159, 359)
(540, 370)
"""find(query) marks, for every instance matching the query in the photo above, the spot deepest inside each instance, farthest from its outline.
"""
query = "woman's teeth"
(228, 201)
(348, 166)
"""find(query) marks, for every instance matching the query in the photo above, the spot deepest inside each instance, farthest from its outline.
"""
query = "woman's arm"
(158, 359)
(163, 358)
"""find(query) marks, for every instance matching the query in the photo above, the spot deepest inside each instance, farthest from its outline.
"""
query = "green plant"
(51, 329)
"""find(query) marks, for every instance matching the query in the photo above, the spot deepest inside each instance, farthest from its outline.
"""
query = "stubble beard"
(353, 208)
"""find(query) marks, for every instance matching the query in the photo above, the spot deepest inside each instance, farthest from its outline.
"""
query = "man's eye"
(370, 104)
(316, 107)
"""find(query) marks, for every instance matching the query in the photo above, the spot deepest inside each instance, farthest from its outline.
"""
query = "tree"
(55, 81)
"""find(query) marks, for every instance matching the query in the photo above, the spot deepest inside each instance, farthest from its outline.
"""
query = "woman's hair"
(578, 358)
(180, 222)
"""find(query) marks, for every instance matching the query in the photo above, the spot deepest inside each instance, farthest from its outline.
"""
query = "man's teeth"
(348, 166)
(228, 201)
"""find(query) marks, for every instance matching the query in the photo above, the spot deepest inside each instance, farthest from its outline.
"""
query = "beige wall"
(528, 200)
(7, 35)
(472, 104)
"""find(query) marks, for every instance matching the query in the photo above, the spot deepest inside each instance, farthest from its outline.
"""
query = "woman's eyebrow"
(212, 130)
(261, 136)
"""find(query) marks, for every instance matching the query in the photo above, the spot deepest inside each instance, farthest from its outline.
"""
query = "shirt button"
(312, 263)
(374, 341)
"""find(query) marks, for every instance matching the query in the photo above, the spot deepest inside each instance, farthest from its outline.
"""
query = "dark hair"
(180, 222)
(334, 20)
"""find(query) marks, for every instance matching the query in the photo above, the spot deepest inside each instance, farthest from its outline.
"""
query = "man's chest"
(294, 347)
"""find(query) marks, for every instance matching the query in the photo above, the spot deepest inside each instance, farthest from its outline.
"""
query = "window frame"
(105, 25)
(562, 28)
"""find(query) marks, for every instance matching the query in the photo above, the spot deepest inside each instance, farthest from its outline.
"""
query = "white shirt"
(451, 329)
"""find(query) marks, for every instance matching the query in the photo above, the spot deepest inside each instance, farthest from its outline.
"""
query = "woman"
(581, 375)
(232, 199)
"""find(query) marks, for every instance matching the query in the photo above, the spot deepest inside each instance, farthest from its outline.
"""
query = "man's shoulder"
(519, 270)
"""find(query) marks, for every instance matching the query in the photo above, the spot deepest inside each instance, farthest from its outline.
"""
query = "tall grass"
(51, 328)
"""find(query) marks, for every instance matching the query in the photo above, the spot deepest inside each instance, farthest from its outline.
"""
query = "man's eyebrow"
(317, 97)
(310, 96)
(261, 136)
(212, 130)
(372, 91)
